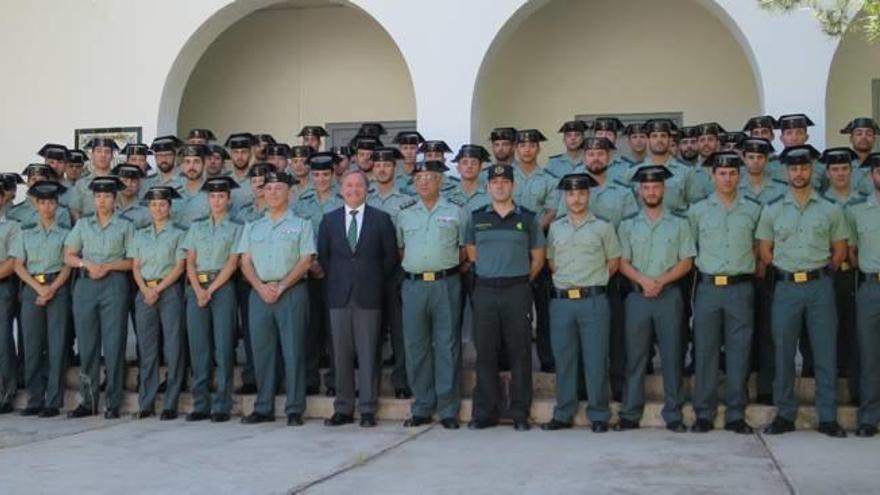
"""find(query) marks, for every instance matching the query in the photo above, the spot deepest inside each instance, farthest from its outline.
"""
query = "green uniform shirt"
(801, 237)
(81, 197)
(189, 207)
(249, 213)
(580, 253)
(391, 203)
(276, 246)
(41, 249)
(157, 252)
(137, 213)
(861, 178)
(26, 214)
(618, 167)
(767, 191)
(703, 179)
(176, 181)
(725, 238)
(655, 248)
(476, 199)
(213, 243)
(243, 195)
(10, 230)
(504, 244)
(611, 202)
(100, 244)
(537, 191)
(431, 240)
(560, 165)
(863, 215)
(313, 209)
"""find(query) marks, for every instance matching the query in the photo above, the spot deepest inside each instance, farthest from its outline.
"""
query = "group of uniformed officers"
(700, 239)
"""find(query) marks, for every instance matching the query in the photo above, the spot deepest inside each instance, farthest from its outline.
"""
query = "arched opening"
(284, 65)
(853, 86)
(559, 59)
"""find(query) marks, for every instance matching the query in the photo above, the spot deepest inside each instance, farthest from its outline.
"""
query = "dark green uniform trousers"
(722, 316)
(8, 355)
(541, 295)
(165, 317)
(502, 316)
(617, 346)
(45, 347)
(763, 348)
(645, 317)
(100, 313)
(211, 332)
(243, 292)
(793, 305)
(581, 328)
(392, 320)
(319, 343)
(868, 328)
(847, 343)
(432, 337)
(286, 323)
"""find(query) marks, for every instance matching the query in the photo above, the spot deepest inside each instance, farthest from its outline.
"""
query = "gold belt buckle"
(574, 293)
(429, 276)
(844, 267)
(800, 277)
(40, 277)
(721, 280)
(203, 278)
(152, 284)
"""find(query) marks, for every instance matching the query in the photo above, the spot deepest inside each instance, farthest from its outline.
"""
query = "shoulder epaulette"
(551, 174)
(88, 215)
(779, 181)
(695, 203)
(179, 226)
(200, 219)
(630, 216)
(235, 221)
(857, 200)
(28, 226)
(753, 200)
(602, 218)
(452, 178)
(555, 156)
(408, 204)
(308, 194)
(144, 229)
(679, 213)
(775, 200)
(15, 206)
(455, 201)
(127, 219)
(618, 182)
(826, 198)
(627, 160)
(371, 190)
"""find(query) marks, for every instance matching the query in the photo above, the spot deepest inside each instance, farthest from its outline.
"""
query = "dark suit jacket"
(361, 274)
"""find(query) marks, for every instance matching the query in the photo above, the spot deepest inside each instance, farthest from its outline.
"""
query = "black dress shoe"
(247, 389)
(402, 393)
(313, 390)
(482, 424)
(739, 426)
(626, 424)
(144, 414)
(599, 426)
(256, 418)
(331, 392)
(49, 412)
(866, 431)
(81, 411)
(676, 427)
(702, 426)
(219, 417)
(449, 423)
(6, 408)
(832, 429)
(111, 413)
(294, 419)
(521, 425)
(779, 426)
(554, 424)
(197, 416)
(764, 399)
(368, 420)
(418, 421)
(31, 411)
(548, 368)
(339, 419)
(168, 415)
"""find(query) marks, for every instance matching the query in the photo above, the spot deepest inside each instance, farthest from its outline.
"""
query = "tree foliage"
(836, 17)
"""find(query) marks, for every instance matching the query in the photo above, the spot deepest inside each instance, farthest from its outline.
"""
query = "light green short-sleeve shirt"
(580, 253)
(275, 246)
(655, 248)
(431, 240)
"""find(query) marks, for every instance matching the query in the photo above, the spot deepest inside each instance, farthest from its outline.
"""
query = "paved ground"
(128, 456)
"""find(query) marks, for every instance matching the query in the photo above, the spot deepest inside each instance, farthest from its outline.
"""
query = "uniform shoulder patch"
(775, 200)
(408, 204)
(456, 201)
(28, 226)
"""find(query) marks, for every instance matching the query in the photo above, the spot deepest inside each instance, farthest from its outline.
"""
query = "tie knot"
(353, 212)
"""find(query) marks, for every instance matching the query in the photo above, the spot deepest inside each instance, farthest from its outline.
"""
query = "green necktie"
(353, 230)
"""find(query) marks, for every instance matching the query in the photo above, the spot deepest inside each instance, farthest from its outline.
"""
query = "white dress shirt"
(360, 218)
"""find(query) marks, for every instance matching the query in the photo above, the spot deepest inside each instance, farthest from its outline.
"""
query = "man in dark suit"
(358, 253)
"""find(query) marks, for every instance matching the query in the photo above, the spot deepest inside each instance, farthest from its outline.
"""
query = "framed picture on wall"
(122, 135)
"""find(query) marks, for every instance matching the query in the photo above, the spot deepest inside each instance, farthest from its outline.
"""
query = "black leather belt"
(501, 281)
(45, 278)
(800, 277)
(431, 276)
(577, 292)
(869, 277)
(719, 280)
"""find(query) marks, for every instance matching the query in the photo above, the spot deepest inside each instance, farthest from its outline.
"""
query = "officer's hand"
(98, 271)
(50, 293)
(203, 297)
(464, 267)
(42, 291)
(40, 301)
(151, 296)
(316, 270)
(267, 293)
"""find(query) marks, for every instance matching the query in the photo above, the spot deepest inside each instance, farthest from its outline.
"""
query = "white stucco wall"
(95, 63)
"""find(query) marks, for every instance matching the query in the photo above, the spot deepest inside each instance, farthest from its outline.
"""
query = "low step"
(543, 384)
(391, 409)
